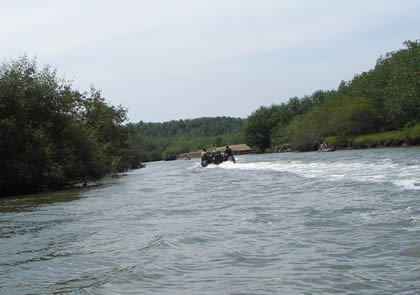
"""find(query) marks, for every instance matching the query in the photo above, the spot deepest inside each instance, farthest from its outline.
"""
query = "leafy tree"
(258, 128)
(392, 87)
(351, 117)
(51, 135)
(384, 98)
(305, 131)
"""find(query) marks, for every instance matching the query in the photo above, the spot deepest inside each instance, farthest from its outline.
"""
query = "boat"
(216, 158)
(326, 150)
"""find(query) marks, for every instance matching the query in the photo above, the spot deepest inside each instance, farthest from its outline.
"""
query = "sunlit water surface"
(346, 222)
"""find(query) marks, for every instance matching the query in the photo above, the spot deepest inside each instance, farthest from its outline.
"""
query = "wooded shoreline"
(242, 149)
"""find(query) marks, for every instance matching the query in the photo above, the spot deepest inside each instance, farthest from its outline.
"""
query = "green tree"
(352, 116)
(258, 127)
(51, 135)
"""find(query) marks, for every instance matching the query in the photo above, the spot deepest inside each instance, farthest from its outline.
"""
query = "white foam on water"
(406, 177)
(414, 219)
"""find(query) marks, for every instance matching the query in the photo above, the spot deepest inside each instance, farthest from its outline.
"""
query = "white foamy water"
(338, 167)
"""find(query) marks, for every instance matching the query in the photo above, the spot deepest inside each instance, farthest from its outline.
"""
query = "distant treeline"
(164, 141)
(53, 136)
(382, 99)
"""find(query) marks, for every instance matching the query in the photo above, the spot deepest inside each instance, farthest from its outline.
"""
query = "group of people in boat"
(216, 157)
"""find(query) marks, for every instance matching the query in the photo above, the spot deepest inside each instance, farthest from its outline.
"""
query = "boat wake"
(406, 177)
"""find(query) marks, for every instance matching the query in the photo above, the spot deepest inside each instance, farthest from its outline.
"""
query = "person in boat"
(323, 146)
(204, 155)
(228, 151)
(217, 156)
(229, 154)
(205, 159)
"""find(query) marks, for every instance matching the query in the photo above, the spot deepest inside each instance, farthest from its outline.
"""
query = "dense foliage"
(382, 99)
(51, 135)
(169, 139)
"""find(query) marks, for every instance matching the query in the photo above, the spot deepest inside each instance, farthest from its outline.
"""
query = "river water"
(346, 222)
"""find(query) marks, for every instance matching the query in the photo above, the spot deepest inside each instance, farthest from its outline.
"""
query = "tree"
(52, 135)
(258, 127)
(353, 116)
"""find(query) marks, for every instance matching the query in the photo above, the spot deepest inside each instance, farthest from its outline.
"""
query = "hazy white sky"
(184, 59)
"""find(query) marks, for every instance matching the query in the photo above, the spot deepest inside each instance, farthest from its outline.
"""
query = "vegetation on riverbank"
(405, 136)
(52, 136)
(384, 99)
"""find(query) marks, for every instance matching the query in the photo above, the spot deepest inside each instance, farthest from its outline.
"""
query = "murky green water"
(346, 222)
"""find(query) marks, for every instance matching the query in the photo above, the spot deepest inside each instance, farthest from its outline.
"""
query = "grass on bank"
(408, 136)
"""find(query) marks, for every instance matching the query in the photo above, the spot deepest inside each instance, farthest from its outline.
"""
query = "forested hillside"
(168, 139)
(383, 99)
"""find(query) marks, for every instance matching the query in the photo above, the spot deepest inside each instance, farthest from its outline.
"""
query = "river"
(344, 222)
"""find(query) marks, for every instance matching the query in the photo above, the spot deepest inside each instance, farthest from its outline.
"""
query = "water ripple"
(332, 223)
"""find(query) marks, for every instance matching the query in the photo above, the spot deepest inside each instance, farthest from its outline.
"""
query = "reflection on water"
(313, 223)
(31, 202)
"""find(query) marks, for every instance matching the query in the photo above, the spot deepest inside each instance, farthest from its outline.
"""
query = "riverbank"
(409, 136)
(397, 138)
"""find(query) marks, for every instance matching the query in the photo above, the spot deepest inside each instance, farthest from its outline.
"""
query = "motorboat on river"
(216, 158)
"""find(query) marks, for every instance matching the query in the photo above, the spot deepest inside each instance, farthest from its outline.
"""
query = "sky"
(182, 59)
